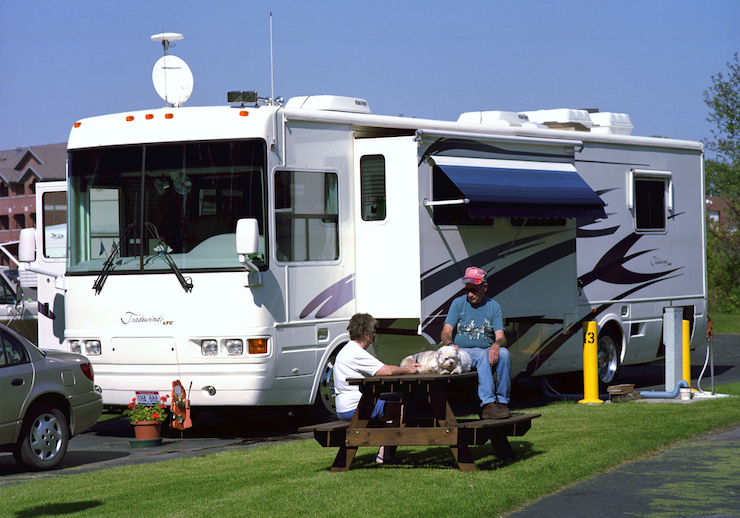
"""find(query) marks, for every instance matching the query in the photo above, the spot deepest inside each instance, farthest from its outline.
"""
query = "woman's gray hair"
(359, 324)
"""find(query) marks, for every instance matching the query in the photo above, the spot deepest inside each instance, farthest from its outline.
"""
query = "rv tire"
(608, 355)
(323, 407)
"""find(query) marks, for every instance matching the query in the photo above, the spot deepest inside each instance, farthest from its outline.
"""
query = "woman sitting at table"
(353, 361)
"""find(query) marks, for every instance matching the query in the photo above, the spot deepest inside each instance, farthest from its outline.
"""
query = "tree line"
(722, 179)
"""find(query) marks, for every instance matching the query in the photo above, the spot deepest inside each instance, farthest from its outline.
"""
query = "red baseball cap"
(474, 275)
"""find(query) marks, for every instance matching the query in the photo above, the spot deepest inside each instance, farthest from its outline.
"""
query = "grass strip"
(569, 443)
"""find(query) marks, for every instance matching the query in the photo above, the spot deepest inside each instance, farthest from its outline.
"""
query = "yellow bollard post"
(590, 365)
(686, 353)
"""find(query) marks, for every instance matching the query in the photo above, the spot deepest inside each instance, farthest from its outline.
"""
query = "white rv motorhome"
(229, 246)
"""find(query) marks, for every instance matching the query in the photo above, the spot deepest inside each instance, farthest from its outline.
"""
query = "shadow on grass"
(57, 509)
(440, 457)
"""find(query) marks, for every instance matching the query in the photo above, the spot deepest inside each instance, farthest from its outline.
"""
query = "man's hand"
(498, 343)
(493, 353)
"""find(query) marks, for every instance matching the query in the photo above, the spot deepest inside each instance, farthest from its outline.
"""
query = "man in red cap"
(474, 322)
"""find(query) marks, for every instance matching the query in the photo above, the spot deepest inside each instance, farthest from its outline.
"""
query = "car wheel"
(44, 438)
(608, 356)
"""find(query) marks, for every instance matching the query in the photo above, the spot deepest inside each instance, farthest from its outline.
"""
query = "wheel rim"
(326, 386)
(607, 359)
(46, 437)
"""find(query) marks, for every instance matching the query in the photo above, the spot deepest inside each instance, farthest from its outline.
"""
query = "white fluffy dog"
(445, 360)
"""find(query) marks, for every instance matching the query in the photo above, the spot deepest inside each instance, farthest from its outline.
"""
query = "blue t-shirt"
(475, 326)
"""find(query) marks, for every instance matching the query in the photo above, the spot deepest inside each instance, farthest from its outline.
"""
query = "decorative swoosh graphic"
(610, 267)
(332, 298)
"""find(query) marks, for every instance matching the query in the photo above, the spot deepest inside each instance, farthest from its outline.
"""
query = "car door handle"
(17, 382)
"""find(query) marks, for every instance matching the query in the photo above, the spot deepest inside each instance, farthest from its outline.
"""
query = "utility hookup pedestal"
(673, 340)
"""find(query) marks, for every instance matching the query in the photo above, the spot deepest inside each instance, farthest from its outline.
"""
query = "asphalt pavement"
(697, 478)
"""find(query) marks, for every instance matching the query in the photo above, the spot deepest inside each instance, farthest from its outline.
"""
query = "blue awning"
(521, 189)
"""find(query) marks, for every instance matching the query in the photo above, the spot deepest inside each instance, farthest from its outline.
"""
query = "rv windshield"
(181, 201)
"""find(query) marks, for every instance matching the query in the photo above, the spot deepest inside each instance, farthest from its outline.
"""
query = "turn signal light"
(258, 346)
(129, 118)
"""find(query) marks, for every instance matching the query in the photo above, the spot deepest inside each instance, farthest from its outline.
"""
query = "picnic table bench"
(427, 420)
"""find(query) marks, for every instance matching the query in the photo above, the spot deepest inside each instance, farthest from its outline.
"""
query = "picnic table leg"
(501, 445)
(464, 458)
(344, 458)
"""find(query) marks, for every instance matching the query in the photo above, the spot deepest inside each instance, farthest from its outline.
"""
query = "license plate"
(147, 397)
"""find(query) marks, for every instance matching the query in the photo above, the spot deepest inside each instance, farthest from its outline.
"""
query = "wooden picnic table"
(427, 420)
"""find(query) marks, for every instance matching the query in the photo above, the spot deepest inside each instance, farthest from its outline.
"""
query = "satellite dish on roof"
(171, 76)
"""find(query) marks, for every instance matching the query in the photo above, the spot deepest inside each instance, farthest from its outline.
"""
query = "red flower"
(155, 415)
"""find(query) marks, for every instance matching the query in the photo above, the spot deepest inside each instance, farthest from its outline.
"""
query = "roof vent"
(575, 120)
(332, 103)
(496, 118)
(611, 123)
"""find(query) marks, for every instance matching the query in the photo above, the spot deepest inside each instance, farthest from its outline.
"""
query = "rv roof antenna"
(272, 73)
(171, 76)
(166, 38)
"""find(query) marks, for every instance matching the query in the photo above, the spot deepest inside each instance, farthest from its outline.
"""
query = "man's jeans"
(487, 390)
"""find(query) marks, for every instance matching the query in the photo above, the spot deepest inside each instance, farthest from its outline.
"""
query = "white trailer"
(229, 246)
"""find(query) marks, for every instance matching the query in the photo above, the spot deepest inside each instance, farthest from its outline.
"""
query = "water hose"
(665, 394)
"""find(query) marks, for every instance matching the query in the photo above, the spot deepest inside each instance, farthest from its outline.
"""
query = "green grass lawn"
(725, 322)
(569, 443)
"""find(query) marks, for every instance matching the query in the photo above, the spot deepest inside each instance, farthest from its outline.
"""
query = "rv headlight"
(234, 347)
(75, 346)
(257, 345)
(92, 347)
(209, 347)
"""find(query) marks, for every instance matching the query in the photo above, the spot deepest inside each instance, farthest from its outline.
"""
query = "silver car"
(46, 398)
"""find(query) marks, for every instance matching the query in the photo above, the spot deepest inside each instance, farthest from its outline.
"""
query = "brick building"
(718, 211)
(20, 170)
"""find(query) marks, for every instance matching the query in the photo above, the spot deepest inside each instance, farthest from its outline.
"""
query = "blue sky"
(61, 61)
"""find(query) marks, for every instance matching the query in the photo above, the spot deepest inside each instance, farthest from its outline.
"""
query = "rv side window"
(372, 190)
(306, 216)
(55, 225)
(650, 206)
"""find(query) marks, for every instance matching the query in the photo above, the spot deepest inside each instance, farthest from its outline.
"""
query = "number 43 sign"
(590, 365)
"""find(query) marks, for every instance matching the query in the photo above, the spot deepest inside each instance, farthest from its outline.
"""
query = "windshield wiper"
(108, 265)
(163, 251)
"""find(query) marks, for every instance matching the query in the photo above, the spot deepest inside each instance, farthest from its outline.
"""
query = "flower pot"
(147, 430)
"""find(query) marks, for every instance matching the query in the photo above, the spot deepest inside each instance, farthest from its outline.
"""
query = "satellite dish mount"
(171, 76)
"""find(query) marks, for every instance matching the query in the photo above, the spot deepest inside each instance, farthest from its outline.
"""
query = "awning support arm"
(428, 203)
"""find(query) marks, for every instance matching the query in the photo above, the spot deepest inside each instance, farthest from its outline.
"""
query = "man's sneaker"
(496, 410)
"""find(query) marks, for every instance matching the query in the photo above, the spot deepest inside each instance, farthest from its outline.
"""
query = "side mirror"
(247, 243)
(27, 246)
(247, 236)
